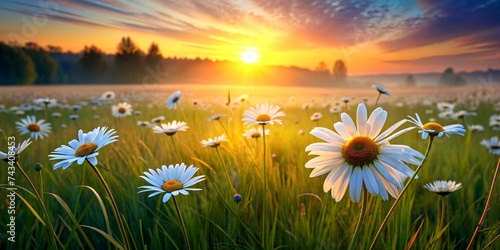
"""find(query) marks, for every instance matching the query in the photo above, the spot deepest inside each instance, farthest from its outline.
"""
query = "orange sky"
(372, 38)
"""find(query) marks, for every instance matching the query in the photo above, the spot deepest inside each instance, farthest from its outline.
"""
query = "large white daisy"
(36, 129)
(262, 114)
(170, 128)
(358, 155)
(122, 109)
(173, 180)
(85, 148)
(435, 129)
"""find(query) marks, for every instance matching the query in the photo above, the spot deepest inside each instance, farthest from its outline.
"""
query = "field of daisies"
(223, 169)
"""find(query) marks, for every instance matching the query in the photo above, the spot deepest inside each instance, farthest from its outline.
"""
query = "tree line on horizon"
(33, 64)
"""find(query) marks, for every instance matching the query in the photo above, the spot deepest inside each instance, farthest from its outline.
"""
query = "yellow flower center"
(494, 147)
(434, 126)
(109, 95)
(171, 185)
(122, 110)
(85, 149)
(263, 118)
(34, 127)
(175, 100)
(256, 135)
(360, 151)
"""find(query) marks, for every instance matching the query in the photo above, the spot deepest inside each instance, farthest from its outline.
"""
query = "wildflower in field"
(45, 101)
(76, 107)
(254, 133)
(96, 117)
(334, 110)
(316, 116)
(174, 99)
(216, 117)
(446, 114)
(73, 117)
(243, 98)
(107, 96)
(476, 128)
(346, 99)
(262, 114)
(170, 128)
(158, 119)
(56, 114)
(446, 106)
(83, 148)
(435, 129)
(495, 122)
(493, 145)
(237, 198)
(358, 155)
(301, 132)
(381, 90)
(215, 142)
(17, 150)
(36, 129)
(462, 114)
(306, 106)
(122, 109)
(171, 180)
(443, 188)
(137, 113)
(143, 124)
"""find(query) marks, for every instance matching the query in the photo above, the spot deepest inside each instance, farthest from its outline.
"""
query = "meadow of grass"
(299, 214)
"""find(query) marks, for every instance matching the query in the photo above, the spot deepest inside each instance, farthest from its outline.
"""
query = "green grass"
(213, 220)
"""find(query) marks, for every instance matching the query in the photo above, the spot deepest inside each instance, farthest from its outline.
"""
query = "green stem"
(225, 130)
(362, 213)
(39, 198)
(486, 206)
(225, 170)
(184, 232)
(443, 209)
(391, 210)
(378, 97)
(113, 203)
(264, 210)
(175, 148)
(182, 113)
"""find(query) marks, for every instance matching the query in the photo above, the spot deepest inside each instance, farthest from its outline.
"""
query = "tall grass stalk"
(113, 204)
(225, 170)
(361, 218)
(391, 210)
(175, 148)
(264, 204)
(486, 206)
(183, 226)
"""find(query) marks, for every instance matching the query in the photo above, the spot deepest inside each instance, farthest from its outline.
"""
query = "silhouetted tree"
(449, 77)
(45, 66)
(17, 67)
(154, 57)
(322, 68)
(339, 71)
(129, 63)
(410, 80)
(91, 67)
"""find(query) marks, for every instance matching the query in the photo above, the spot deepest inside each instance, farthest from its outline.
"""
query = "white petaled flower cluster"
(435, 129)
(122, 109)
(262, 114)
(358, 155)
(214, 142)
(170, 128)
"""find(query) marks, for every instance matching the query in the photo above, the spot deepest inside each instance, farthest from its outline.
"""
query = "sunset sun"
(250, 56)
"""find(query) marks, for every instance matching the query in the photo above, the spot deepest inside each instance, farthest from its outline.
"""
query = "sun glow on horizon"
(250, 56)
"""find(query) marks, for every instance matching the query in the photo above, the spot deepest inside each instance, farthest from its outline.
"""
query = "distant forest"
(32, 64)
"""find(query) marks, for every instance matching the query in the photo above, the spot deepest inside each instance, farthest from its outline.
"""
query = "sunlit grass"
(213, 220)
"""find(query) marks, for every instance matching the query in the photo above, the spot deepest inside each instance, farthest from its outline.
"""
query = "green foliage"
(91, 67)
(129, 62)
(45, 66)
(17, 68)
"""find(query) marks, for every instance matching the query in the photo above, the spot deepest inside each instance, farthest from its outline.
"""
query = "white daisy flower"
(493, 145)
(262, 114)
(446, 106)
(443, 188)
(107, 96)
(434, 128)
(73, 117)
(215, 142)
(45, 101)
(462, 113)
(357, 155)
(476, 128)
(446, 114)
(56, 114)
(495, 122)
(143, 124)
(158, 119)
(85, 148)
(243, 98)
(17, 150)
(316, 116)
(36, 129)
(216, 117)
(173, 180)
(381, 90)
(174, 99)
(254, 133)
(170, 128)
(122, 109)
(346, 99)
